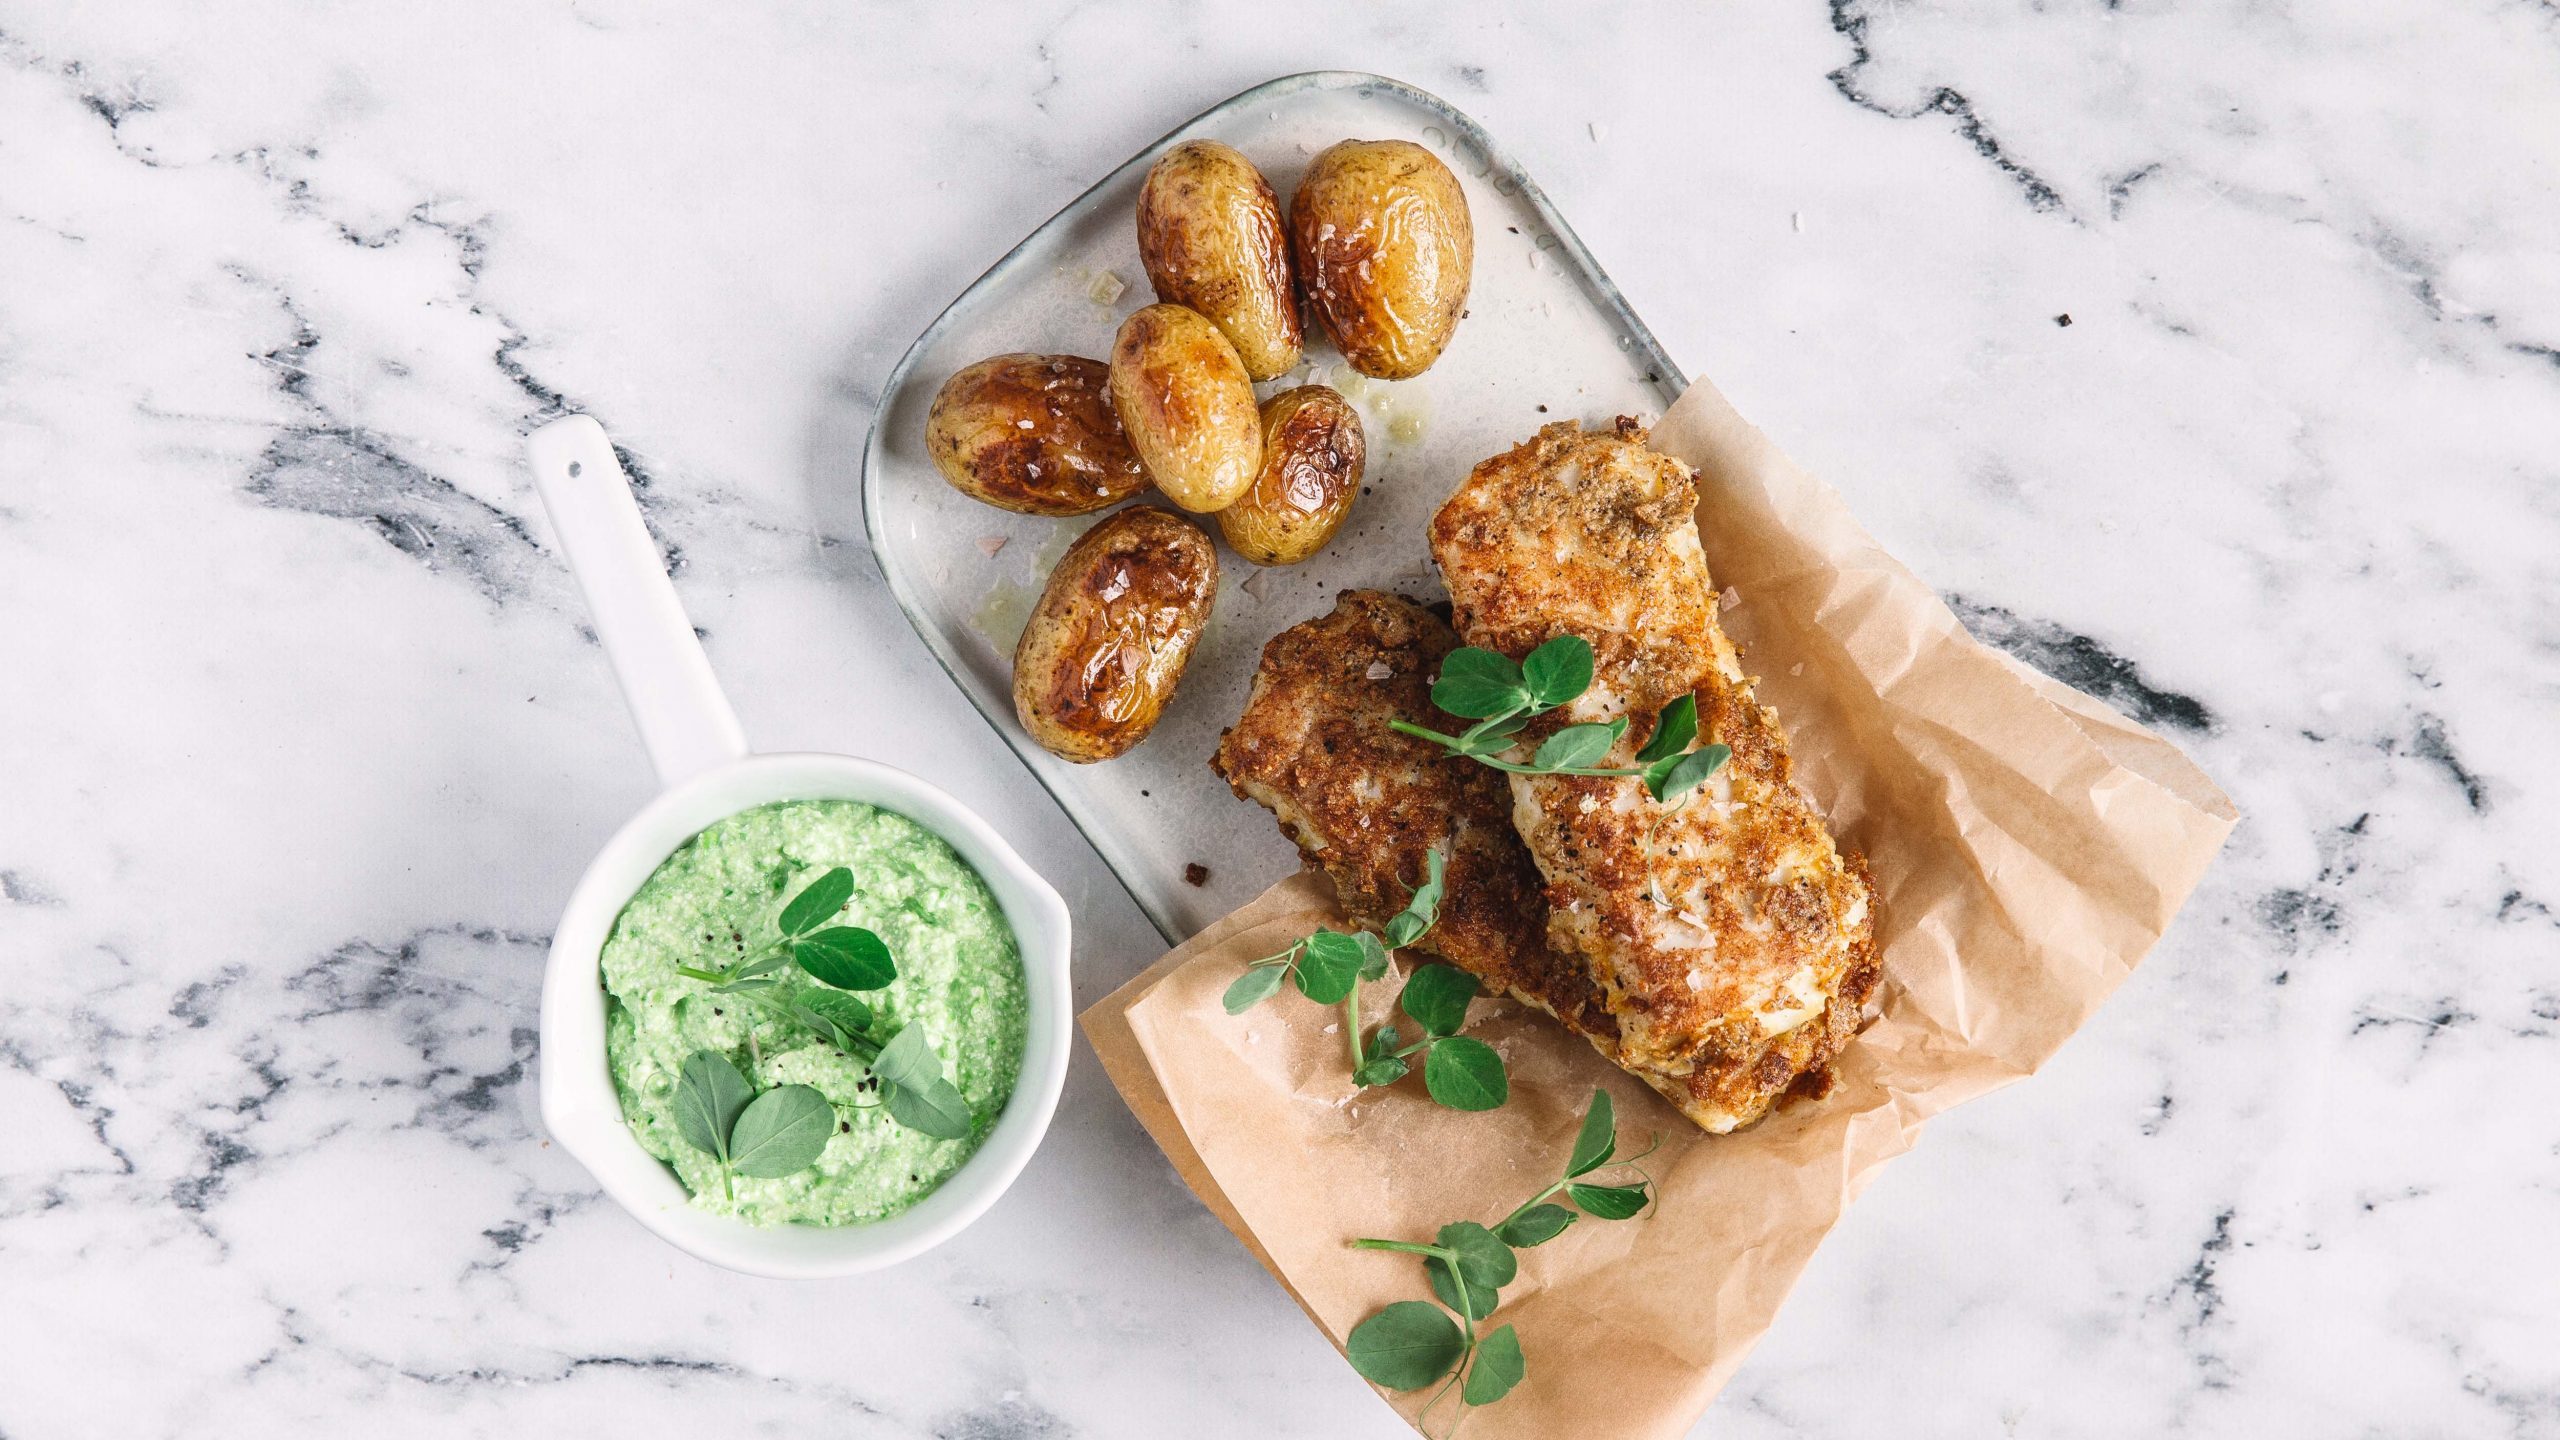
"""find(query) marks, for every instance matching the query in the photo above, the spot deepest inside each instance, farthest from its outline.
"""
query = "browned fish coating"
(1365, 804)
(1727, 933)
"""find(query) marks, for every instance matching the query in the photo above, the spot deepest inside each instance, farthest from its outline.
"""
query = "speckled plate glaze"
(1546, 337)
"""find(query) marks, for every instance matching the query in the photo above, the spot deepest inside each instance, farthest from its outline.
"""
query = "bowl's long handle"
(684, 719)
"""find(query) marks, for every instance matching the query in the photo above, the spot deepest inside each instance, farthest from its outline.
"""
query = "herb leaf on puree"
(781, 1132)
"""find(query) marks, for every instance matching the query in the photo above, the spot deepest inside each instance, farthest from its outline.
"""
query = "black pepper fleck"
(2063, 320)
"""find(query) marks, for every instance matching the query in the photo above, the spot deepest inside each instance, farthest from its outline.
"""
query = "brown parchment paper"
(2028, 846)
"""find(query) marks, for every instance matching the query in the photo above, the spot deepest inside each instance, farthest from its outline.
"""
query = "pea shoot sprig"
(1412, 1344)
(845, 956)
(839, 959)
(1502, 697)
(767, 1135)
(1329, 967)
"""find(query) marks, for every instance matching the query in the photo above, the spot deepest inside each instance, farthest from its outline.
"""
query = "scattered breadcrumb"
(1195, 874)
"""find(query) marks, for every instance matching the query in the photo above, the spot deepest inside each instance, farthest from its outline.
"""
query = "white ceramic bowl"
(694, 741)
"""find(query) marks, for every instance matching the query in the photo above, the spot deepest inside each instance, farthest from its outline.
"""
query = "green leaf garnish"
(1469, 1300)
(847, 957)
(1535, 1226)
(1482, 686)
(1498, 1365)
(1329, 966)
(1598, 1139)
(1555, 672)
(838, 1018)
(906, 1060)
(1608, 1202)
(1437, 997)
(1688, 772)
(1484, 1261)
(813, 906)
(1253, 987)
(1406, 1346)
(1465, 1074)
(1672, 730)
(913, 1088)
(1422, 911)
(1411, 1344)
(935, 1108)
(1386, 1070)
(1578, 747)
(709, 1094)
(781, 1132)
(1373, 955)
(1478, 684)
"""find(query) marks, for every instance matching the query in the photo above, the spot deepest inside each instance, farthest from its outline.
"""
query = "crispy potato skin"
(1313, 451)
(1385, 248)
(1211, 237)
(1113, 629)
(1185, 401)
(1034, 434)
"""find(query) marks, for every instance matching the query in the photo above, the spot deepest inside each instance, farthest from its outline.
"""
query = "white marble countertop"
(2208, 355)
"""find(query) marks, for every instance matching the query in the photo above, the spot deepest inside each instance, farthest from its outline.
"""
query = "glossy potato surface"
(1186, 404)
(1313, 451)
(1115, 625)
(1034, 434)
(1211, 237)
(1385, 250)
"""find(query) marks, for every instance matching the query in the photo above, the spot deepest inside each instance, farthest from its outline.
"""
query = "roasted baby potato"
(1312, 453)
(1211, 237)
(1035, 434)
(1187, 405)
(1113, 629)
(1385, 249)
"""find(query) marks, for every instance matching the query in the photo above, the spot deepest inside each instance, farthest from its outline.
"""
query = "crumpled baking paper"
(2028, 845)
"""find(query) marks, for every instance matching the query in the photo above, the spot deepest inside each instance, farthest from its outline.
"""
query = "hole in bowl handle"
(684, 720)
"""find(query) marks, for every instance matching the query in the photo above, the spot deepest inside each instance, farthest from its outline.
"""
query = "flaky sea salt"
(1379, 670)
(988, 545)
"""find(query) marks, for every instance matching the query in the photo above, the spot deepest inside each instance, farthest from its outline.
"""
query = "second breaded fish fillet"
(1728, 935)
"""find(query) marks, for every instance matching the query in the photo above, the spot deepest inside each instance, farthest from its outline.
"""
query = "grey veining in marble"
(2206, 355)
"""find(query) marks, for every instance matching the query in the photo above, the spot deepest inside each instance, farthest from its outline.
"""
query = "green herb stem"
(1408, 1247)
(1459, 745)
(1351, 1023)
(1534, 1201)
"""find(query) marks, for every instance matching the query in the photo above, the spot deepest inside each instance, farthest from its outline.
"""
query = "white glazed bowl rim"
(583, 1114)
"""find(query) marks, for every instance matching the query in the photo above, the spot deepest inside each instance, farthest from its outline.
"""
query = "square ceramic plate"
(1546, 337)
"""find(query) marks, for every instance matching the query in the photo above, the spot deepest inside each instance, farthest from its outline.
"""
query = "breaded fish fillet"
(1364, 804)
(1727, 934)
